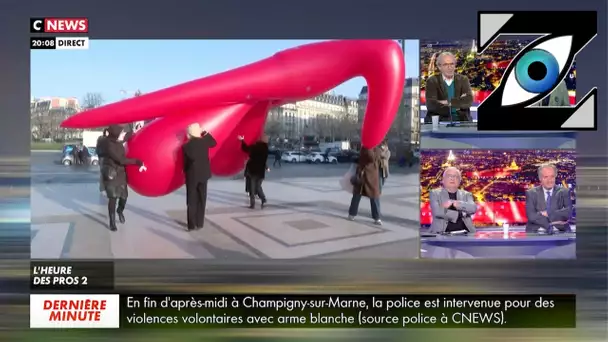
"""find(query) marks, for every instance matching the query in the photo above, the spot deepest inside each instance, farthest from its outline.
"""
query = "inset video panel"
(306, 100)
(449, 120)
(498, 204)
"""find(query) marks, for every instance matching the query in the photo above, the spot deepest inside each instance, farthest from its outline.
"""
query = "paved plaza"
(305, 218)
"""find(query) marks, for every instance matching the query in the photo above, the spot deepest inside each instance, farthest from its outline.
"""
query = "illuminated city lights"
(497, 179)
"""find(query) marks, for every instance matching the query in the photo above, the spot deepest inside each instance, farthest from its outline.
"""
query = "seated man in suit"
(452, 207)
(447, 93)
(548, 206)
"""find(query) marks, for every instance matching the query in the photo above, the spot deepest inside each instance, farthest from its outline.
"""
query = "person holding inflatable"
(114, 174)
(197, 170)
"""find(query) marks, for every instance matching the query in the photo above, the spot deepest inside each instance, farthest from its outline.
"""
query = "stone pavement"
(305, 218)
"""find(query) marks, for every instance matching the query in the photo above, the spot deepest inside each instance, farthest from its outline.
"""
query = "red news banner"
(59, 26)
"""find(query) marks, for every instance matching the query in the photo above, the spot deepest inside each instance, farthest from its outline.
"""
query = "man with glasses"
(451, 206)
(448, 93)
(548, 206)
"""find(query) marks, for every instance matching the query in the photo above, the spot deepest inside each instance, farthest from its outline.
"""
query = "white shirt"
(448, 81)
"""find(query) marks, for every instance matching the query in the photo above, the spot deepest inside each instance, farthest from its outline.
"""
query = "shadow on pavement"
(70, 203)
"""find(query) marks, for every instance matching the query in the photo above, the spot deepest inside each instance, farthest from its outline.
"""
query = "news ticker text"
(59, 43)
(302, 311)
(72, 276)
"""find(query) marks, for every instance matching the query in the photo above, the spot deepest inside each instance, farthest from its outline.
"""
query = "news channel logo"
(537, 70)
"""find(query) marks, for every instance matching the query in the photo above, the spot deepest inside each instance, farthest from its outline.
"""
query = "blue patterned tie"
(548, 209)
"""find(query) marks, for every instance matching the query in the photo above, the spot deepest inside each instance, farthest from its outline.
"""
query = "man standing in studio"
(448, 93)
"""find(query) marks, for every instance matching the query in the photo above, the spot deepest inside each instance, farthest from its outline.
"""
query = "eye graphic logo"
(536, 71)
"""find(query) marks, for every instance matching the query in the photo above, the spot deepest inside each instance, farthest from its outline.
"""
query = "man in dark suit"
(198, 172)
(548, 206)
(256, 168)
(448, 93)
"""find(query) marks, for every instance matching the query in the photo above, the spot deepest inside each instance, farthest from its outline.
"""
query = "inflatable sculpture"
(236, 103)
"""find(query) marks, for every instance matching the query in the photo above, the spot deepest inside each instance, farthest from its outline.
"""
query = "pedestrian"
(76, 154)
(384, 156)
(197, 170)
(277, 158)
(100, 154)
(248, 182)
(326, 155)
(115, 175)
(84, 155)
(256, 168)
(366, 183)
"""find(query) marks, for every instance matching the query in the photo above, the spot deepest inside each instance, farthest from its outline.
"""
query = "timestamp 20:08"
(42, 43)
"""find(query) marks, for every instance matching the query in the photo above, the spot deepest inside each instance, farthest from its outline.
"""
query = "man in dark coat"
(197, 170)
(277, 157)
(115, 175)
(366, 183)
(100, 155)
(76, 154)
(84, 155)
(256, 168)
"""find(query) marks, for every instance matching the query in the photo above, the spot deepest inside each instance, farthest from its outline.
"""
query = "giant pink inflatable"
(236, 102)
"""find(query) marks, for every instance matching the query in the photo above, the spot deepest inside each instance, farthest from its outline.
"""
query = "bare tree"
(346, 127)
(57, 116)
(273, 127)
(46, 122)
(323, 126)
(92, 100)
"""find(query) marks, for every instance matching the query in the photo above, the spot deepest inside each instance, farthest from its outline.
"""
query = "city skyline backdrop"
(110, 67)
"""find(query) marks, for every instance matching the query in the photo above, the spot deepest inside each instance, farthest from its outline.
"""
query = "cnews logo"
(59, 25)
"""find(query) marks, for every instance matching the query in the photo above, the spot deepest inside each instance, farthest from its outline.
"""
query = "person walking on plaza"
(248, 181)
(197, 170)
(366, 183)
(115, 175)
(100, 155)
(277, 158)
(256, 168)
(384, 156)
